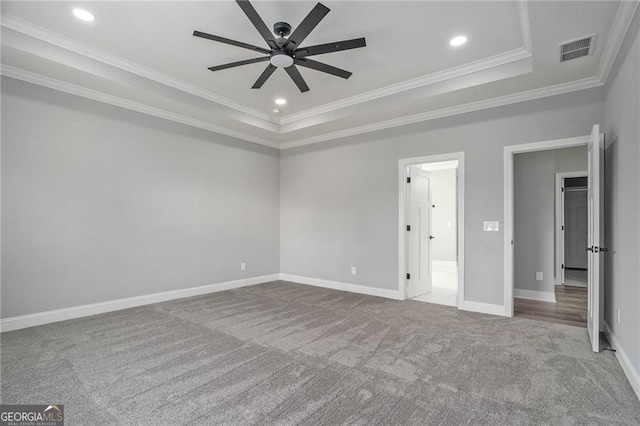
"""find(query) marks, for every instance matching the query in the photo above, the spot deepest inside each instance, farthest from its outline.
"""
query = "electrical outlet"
(353, 270)
(538, 276)
(618, 316)
(243, 266)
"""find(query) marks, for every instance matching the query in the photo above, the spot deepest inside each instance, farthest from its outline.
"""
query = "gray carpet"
(283, 353)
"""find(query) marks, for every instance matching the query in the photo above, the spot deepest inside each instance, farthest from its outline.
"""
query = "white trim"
(62, 86)
(40, 318)
(335, 285)
(525, 24)
(623, 359)
(73, 89)
(543, 296)
(621, 23)
(403, 164)
(483, 308)
(529, 95)
(509, 152)
(559, 221)
(415, 83)
(79, 48)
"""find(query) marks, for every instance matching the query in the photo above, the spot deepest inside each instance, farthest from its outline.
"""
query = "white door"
(419, 230)
(595, 238)
(575, 228)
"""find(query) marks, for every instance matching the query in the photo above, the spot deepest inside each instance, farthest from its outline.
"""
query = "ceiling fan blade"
(239, 63)
(307, 25)
(231, 42)
(319, 66)
(264, 76)
(257, 22)
(297, 78)
(337, 46)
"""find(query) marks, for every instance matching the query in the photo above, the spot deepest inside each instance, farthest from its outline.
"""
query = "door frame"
(509, 152)
(559, 238)
(403, 165)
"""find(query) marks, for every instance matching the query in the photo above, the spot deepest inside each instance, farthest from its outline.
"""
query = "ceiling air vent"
(577, 48)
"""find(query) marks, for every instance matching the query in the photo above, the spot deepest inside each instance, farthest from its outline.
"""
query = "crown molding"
(73, 89)
(40, 80)
(528, 95)
(74, 46)
(525, 24)
(426, 80)
(621, 23)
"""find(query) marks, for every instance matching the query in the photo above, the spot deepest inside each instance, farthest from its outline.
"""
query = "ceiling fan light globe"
(281, 60)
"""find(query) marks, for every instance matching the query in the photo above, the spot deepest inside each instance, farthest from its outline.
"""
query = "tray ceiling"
(141, 55)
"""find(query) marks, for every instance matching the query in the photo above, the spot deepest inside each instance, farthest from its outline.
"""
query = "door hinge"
(408, 276)
(409, 179)
(562, 228)
(562, 189)
(563, 266)
(408, 227)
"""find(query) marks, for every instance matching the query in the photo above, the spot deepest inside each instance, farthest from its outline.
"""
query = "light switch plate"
(491, 226)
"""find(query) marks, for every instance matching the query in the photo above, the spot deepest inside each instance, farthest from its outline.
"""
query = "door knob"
(431, 237)
(588, 248)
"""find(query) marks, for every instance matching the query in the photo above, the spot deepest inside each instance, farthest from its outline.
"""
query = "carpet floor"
(283, 353)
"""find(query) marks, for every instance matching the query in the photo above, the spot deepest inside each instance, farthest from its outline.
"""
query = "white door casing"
(508, 236)
(595, 306)
(404, 166)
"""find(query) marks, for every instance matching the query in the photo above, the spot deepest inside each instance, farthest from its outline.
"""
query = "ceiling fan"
(286, 52)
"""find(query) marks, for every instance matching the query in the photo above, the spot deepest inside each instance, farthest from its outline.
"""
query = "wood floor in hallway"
(570, 309)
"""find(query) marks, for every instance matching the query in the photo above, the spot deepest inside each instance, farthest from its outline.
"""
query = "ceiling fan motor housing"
(281, 29)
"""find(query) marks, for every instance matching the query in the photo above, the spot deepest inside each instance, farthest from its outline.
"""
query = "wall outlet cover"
(353, 270)
(538, 276)
(243, 266)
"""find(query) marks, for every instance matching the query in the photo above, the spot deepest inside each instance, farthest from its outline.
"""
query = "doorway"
(572, 229)
(595, 185)
(431, 248)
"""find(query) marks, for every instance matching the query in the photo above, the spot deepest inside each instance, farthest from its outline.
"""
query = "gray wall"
(100, 203)
(339, 199)
(443, 195)
(622, 218)
(534, 213)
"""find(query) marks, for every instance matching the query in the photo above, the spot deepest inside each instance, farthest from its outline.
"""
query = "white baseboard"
(40, 318)
(623, 359)
(335, 285)
(543, 296)
(483, 308)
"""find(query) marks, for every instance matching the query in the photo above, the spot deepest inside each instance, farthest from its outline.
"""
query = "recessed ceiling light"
(83, 14)
(458, 41)
(281, 101)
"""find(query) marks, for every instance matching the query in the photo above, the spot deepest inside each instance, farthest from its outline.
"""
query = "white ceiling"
(142, 56)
